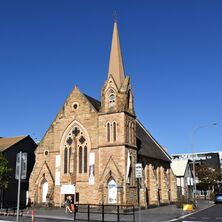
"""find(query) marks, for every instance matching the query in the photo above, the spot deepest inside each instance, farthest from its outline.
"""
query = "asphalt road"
(212, 214)
(28, 219)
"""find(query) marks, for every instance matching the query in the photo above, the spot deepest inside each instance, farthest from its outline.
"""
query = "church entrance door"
(45, 188)
(112, 192)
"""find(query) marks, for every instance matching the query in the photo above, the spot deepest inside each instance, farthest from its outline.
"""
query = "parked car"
(218, 198)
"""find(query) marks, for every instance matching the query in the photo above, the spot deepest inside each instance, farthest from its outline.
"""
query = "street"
(166, 213)
(212, 214)
(28, 219)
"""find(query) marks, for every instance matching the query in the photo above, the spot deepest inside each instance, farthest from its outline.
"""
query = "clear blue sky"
(172, 51)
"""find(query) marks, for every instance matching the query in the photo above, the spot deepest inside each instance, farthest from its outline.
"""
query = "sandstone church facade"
(91, 149)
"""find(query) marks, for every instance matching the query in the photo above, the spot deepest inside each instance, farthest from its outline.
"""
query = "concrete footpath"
(163, 213)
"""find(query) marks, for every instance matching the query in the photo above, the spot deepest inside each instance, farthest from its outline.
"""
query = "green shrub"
(212, 196)
(180, 201)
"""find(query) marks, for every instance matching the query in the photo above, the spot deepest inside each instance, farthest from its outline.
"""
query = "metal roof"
(6, 143)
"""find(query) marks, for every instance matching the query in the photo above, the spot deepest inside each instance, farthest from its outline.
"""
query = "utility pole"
(19, 184)
(194, 158)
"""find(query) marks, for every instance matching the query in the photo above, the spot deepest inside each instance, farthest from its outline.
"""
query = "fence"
(104, 212)
(10, 208)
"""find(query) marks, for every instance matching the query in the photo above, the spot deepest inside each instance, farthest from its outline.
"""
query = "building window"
(76, 148)
(85, 159)
(75, 105)
(114, 131)
(112, 98)
(80, 159)
(69, 161)
(65, 160)
(108, 132)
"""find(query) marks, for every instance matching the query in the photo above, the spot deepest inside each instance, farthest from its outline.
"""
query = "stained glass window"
(65, 160)
(114, 131)
(108, 132)
(85, 159)
(80, 159)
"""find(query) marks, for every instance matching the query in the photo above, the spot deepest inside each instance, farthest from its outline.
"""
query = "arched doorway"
(45, 188)
(112, 192)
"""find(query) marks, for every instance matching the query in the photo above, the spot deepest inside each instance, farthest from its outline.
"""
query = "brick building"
(91, 149)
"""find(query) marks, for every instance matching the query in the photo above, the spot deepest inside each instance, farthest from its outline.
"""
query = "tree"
(4, 172)
(208, 177)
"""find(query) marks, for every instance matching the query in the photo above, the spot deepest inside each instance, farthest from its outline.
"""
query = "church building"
(91, 149)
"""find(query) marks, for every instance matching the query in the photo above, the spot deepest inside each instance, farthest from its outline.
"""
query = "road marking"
(218, 218)
(205, 218)
(192, 221)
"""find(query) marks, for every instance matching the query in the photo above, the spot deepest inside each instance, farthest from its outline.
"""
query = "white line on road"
(5, 221)
(191, 221)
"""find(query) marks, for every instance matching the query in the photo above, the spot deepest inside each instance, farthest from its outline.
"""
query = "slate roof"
(6, 143)
(148, 146)
(96, 104)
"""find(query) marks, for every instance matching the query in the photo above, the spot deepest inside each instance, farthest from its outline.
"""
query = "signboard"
(68, 189)
(139, 170)
(23, 166)
(112, 192)
(57, 173)
(91, 168)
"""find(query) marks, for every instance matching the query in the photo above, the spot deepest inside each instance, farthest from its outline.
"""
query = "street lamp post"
(194, 171)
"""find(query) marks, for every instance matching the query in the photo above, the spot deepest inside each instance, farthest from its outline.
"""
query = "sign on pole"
(139, 170)
(139, 175)
(23, 166)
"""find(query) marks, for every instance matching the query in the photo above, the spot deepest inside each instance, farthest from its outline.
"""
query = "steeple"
(116, 68)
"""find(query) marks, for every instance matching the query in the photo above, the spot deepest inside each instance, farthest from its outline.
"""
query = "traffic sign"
(139, 170)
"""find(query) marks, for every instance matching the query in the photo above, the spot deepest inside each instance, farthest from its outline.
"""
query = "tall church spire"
(116, 68)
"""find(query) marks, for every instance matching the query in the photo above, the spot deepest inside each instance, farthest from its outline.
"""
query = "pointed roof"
(148, 146)
(179, 167)
(96, 104)
(116, 68)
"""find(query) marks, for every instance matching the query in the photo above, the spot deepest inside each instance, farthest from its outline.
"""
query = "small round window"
(46, 152)
(75, 106)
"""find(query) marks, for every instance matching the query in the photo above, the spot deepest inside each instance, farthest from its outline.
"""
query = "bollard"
(32, 215)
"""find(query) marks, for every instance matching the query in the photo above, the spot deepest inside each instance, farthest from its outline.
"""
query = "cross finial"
(115, 16)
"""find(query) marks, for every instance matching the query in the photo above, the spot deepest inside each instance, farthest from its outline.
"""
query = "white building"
(183, 173)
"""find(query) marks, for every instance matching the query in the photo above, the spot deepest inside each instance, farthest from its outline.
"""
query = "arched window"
(112, 98)
(85, 159)
(69, 161)
(80, 159)
(108, 131)
(65, 160)
(76, 150)
(114, 131)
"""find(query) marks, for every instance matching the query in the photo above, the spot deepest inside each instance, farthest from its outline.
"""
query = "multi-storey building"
(212, 160)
